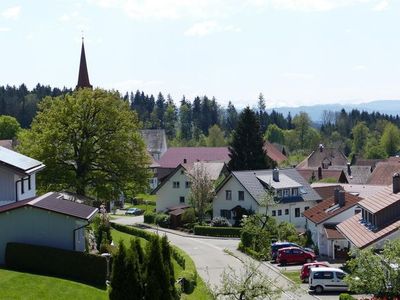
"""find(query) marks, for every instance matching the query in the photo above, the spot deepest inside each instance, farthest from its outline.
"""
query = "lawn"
(293, 275)
(17, 285)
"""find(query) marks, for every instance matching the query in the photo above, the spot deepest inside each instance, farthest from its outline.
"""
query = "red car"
(292, 255)
(305, 270)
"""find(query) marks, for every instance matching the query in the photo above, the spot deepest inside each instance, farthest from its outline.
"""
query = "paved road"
(211, 260)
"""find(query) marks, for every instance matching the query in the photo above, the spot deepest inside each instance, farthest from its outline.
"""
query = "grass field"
(17, 285)
(293, 275)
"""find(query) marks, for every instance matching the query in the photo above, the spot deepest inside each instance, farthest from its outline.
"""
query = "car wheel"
(319, 289)
(283, 263)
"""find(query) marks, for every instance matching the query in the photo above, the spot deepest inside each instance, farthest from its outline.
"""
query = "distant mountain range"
(390, 107)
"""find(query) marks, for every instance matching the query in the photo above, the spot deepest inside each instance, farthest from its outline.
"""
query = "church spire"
(83, 77)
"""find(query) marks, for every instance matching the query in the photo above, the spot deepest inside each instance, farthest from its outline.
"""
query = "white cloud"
(301, 76)
(207, 27)
(381, 6)
(4, 29)
(11, 12)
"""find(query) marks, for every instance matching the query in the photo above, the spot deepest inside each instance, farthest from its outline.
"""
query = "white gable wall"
(169, 196)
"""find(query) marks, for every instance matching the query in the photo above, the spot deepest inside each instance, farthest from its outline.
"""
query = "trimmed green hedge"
(149, 217)
(43, 260)
(217, 231)
(147, 236)
(345, 296)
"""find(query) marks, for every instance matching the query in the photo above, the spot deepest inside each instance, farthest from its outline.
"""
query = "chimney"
(341, 199)
(184, 161)
(319, 173)
(348, 169)
(336, 196)
(396, 183)
(275, 175)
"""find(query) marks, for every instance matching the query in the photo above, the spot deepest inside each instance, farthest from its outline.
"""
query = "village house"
(322, 219)
(378, 220)
(246, 191)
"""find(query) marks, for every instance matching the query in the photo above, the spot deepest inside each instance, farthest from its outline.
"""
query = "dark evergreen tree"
(185, 116)
(118, 275)
(246, 149)
(134, 285)
(231, 118)
(166, 254)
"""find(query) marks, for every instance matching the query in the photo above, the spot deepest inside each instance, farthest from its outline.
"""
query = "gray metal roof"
(19, 161)
(255, 187)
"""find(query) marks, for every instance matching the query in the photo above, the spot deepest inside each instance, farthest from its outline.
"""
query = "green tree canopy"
(274, 134)
(246, 148)
(215, 137)
(9, 127)
(360, 135)
(390, 140)
(302, 125)
(90, 144)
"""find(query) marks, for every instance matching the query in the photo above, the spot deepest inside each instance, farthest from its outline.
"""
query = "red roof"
(383, 172)
(322, 211)
(274, 153)
(327, 191)
(189, 155)
(360, 235)
(380, 200)
(338, 175)
(332, 233)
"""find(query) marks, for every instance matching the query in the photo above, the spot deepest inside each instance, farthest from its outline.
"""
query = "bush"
(163, 220)
(220, 222)
(217, 231)
(189, 216)
(345, 296)
(43, 260)
(189, 281)
(178, 257)
(149, 217)
(256, 255)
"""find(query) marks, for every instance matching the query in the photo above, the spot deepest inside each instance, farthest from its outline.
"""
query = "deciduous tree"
(9, 127)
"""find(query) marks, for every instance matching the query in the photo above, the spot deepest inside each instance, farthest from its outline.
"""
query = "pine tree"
(137, 248)
(166, 254)
(246, 149)
(157, 279)
(118, 275)
(134, 286)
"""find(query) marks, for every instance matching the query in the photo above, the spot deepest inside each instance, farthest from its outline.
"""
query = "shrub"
(189, 281)
(74, 265)
(345, 296)
(149, 217)
(178, 257)
(189, 216)
(220, 222)
(163, 220)
(217, 231)
(256, 255)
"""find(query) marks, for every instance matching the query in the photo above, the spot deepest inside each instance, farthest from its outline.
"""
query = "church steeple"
(83, 77)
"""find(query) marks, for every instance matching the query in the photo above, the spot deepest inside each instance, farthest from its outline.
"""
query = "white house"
(245, 192)
(322, 220)
(174, 190)
(17, 176)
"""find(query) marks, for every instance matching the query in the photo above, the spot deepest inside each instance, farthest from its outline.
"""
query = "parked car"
(292, 255)
(305, 270)
(279, 245)
(134, 211)
(327, 279)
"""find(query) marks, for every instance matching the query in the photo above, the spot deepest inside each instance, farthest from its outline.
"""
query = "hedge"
(43, 260)
(345, 296)
(149, 217)
(217, 231)
(147, 236)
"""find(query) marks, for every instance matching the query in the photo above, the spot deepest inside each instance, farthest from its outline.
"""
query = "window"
(175, 184)
(323, 275)
(279, 212)
(305, 208)
(187, 184)
(297, 212)
(339, 275)
(357, 211)
(286, 193)
(225, 213)
(273, 213)
(279, 193)
(181, 199)
(241, 195)
(228, 195)
(22, 186)
(182, 172)
(295, 192)
(296, 251)
(286, 211)
(29, 182)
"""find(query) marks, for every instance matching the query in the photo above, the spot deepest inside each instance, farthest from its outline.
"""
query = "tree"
(360, 134)
(249, 283)
(118, 275)
(157, 278)
(9, 127)
(231, 117)
(166, 254)
(215, 137)
(201, 190)
(274, 134)
(134, 286)
(302, 125)
(246, 148)
(262, 113)
(390, 140)
(384, 268)
(185, 117)
(170, 118)
(90, 144)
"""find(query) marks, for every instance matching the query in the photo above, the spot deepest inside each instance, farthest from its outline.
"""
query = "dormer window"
(295, 192)
(286, 192)
(279, 193)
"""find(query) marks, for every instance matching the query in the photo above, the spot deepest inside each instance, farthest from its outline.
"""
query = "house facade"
(246, 191)
(322, 219)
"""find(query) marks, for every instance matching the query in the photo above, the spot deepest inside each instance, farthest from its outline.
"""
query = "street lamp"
(107, 256)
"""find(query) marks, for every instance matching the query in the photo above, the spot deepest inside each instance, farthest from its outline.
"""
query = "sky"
(295, 52)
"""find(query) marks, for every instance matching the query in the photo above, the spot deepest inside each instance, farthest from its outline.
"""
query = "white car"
(327, 279)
